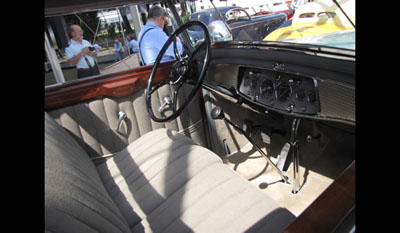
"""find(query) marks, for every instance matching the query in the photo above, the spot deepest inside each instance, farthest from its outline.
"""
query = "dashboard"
(301, 83)
(279, 90)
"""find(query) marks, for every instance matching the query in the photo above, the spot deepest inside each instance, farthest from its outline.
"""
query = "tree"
(84, 20)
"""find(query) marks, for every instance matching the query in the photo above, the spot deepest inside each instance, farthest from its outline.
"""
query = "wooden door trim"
(113, 85)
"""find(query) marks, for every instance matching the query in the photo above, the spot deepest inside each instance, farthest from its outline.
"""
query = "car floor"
(321, 161)
(256, 170)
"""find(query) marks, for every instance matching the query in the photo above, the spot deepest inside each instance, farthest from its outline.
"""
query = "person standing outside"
(132, 44)
(118, 49)
(79, 53)
(152, 38)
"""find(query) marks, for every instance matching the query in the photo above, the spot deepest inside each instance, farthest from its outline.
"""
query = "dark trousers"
(88, 72)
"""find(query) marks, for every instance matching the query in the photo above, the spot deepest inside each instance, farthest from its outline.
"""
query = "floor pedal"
(283, 156)
(265, 138)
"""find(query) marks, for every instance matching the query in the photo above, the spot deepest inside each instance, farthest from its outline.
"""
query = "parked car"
(257, 10)
(316, 18)
(234, 136)
(242, 25)
(341, 39)
(280, 6)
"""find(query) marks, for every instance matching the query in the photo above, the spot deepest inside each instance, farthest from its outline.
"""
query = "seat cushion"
(75, 197)
(164, 182)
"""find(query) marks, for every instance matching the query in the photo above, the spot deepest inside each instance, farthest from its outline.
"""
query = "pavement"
(129, 62)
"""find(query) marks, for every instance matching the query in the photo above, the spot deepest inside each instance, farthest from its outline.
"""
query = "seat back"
(75, 197)
(93, 123)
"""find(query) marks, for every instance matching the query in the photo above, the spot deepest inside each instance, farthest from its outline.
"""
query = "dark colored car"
(242, 25)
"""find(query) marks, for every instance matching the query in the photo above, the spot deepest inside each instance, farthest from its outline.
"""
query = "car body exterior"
(316, 18)
(258, 8)
(242, 25)
(341, 39)
(280, 6)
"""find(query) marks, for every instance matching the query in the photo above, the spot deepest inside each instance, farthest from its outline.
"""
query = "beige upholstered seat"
(162, 182)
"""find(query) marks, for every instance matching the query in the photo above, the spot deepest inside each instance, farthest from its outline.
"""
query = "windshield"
(112, 33)
(320, 22)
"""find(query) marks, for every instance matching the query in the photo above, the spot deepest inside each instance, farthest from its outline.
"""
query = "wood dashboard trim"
(113, 85)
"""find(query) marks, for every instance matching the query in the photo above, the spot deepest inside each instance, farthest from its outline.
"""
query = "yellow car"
(316, 18)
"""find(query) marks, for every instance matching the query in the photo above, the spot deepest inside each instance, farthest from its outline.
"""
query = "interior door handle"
(167, 101)
(121, 117)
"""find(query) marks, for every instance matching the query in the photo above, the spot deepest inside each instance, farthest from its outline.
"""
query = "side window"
(307, 15)
(108, 32)
(236, 15)
(326, 15)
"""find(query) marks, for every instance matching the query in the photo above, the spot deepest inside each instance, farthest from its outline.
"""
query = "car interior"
(237, 137)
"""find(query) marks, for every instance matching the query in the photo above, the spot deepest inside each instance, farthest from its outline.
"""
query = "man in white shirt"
(79, 54)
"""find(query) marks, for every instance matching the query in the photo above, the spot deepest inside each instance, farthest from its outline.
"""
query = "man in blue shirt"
(152, 38)
(118, 50)
(133, 45)
(78, 53)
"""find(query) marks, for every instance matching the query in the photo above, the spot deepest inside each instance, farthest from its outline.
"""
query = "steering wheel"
(180, 73)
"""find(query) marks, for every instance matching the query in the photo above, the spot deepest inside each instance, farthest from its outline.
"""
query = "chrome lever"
(167, 101)
(121, 117)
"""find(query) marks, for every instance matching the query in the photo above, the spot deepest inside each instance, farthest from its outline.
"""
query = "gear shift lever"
(217, 113)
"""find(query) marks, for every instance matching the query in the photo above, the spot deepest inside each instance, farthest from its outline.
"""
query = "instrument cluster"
(279, 90)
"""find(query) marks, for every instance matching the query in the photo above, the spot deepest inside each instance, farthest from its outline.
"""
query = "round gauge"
(283, 91)
(267, 88)
(311, 97)
(301, 94)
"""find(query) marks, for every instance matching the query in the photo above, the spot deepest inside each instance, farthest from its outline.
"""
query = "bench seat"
(162, 182)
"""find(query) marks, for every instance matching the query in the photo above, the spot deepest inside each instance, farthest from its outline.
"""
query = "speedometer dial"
(267, 88)
(283, 91)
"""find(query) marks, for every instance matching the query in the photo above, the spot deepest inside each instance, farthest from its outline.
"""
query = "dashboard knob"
(217, 113)
(290, 107)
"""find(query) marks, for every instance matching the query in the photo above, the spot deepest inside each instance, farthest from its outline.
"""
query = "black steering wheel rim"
(149, 89)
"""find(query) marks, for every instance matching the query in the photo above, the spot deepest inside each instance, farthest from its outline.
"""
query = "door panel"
(93, 123)
(89, 108)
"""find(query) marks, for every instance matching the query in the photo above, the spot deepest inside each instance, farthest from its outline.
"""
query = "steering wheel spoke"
(187, 69)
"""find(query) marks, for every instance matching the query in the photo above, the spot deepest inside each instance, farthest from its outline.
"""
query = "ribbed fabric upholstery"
(162, 182)
(93, 123)
(75, 197)
(170, 184)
